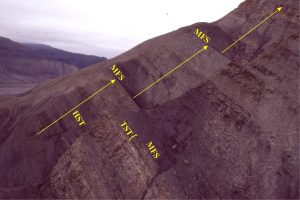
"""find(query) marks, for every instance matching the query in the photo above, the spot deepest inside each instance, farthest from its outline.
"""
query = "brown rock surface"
(233, 117)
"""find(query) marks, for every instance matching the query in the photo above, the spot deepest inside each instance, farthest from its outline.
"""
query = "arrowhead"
(205, 47)
(113, 81)
(279, 9)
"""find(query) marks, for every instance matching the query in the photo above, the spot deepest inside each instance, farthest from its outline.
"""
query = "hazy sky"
(104, 28)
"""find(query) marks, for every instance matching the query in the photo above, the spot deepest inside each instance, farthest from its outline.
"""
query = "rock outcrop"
(225, 125)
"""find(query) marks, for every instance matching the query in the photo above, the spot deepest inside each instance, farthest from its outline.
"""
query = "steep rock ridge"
(225, 124)
(151, 65)
(44, 156)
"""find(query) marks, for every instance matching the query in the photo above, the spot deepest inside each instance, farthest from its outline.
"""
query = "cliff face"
(225, 125)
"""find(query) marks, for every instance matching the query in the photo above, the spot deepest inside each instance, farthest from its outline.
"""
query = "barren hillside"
(226, 125)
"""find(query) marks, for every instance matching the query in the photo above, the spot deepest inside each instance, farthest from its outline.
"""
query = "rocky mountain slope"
(225, 125)
(23, 67)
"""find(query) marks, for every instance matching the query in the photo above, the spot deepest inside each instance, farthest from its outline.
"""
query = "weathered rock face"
(225, 125)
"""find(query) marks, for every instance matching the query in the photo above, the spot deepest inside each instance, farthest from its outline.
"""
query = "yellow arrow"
(85, 100)
(277, 10)
(164, 76)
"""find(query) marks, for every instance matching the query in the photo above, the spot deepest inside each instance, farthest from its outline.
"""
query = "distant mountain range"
(23, 66)
(79, 60)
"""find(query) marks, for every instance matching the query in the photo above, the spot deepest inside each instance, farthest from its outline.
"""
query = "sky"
(103, 27)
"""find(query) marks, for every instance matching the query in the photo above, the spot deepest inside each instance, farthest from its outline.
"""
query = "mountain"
(79, 60)
(22, 67)
(10, 48)
(226, 125)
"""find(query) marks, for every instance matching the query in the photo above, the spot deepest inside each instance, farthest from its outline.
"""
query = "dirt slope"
(225, 125)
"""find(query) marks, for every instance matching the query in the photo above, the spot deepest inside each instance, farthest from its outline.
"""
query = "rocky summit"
(222, 126)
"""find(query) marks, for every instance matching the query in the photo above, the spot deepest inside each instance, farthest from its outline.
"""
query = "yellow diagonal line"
(164, 76)
(250, 30)
(85, 100)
